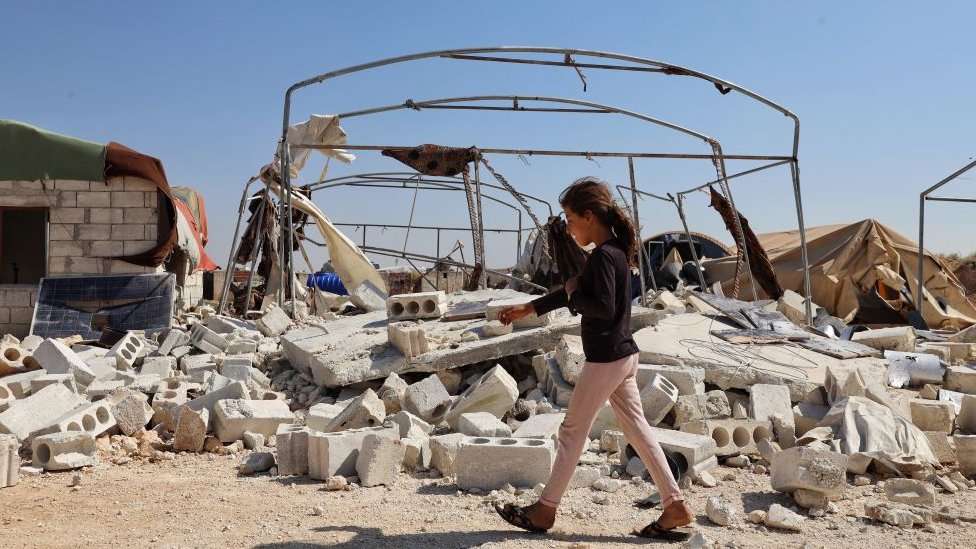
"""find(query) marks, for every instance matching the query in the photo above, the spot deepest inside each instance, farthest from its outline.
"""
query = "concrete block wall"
(89, 222)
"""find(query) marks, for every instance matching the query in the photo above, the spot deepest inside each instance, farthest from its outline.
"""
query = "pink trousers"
(617, 382)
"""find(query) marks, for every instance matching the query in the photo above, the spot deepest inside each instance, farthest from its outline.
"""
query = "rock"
(781, 517)
(909, 491)
(719, 511)
(257, 462)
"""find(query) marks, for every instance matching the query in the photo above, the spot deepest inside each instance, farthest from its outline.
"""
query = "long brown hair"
(593, 195)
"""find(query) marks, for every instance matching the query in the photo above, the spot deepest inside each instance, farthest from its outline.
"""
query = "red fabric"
(206, 263)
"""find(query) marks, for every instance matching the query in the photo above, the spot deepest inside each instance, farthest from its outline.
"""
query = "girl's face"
(580, 227)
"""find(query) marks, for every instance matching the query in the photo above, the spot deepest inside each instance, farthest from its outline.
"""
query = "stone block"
(409, 425)
(367, 410)
(966, 453)
(495, 393)
(234, 416)
(379, 461)
(807, 416)
(490, 463)
(961, 379)
(321, 414)
(55, 357)
(689, 380)
(899, 338)
(427, 399)
(570, 357)
(658, 398)
(127, 350)
(40, 382)
(530, 321)
(942, 446)
(25, 418)
(416, 453)
(63, 451)
(207, 340)
(331, 454)
(766, 401)
(909, 491)
(408, 338)
(291, 441)
(418, 305)
(732, 436)
(9, 461)
(191, 430)
(131, 410)
(392, 392)
(711, 405)
(810, 469)
(495, 328)
(443, 452)
(483, 424)
(934, 415)
(174, 338)
(273, 322)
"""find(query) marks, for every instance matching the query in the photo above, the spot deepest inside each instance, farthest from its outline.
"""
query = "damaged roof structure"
(359, 387)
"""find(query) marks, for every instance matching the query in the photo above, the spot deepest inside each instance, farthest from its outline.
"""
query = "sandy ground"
(200, 501)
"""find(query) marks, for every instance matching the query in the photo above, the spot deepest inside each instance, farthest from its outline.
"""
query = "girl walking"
(602, 295)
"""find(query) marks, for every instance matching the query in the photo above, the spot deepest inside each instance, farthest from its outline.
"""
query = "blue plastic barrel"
(327, 282)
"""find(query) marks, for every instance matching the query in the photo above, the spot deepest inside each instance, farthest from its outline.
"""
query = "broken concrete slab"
(233, 417)
(63, 451)
(490, 463)
(379, 461)
(495, 393)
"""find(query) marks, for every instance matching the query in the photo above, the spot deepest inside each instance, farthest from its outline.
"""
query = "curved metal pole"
(234, 246)
(922, 197)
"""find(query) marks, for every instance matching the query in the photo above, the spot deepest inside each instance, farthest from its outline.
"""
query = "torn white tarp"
(320, 129)
(913, 369)
(866, 431)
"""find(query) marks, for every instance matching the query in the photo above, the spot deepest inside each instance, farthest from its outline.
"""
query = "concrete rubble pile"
(359, 399)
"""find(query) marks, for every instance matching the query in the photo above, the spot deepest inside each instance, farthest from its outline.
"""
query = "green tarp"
(28, 153)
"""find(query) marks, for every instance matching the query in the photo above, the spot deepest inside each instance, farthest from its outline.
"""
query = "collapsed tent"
(863, 272)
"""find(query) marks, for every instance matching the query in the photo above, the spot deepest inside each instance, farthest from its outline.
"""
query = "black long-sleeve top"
(603, 299)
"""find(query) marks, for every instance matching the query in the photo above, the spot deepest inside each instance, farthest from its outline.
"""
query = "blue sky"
(883, 90)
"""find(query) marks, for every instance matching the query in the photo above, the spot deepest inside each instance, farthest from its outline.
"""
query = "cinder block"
(379, 460)
(427, 399)
(540, 426)
(531, 321)
(291, 441)
(273, 322)
(62, 451)
(93, 417)
(207, 340)
(163, 366)
(233, 417)
(443, 452)
(937, 415)
(689, 380)
(807, 416)
(810, 469)
(693, 452)
(25, 418)
(732, 436)
(658, 398)
(9, 461)
(766, 401)
(408, 338)
(966, 453)
(570, 357)
(483, 424)
(495, 393)
(490, 463)
(414, 306)
(40, 382)
(57, 358)
(409, 425)
(331, 454)
(174, 338)
(127, 350)
(131, 410)
(961, 379)
(711, 405)
(367, 410)
(899, 338)
(191, 429)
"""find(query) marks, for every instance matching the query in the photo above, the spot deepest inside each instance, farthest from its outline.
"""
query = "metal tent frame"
(923, 197)
(565, 58)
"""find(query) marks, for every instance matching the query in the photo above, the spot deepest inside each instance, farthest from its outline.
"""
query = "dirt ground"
(200, 501)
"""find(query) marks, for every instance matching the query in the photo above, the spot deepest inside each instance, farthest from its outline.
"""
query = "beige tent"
(851, 262)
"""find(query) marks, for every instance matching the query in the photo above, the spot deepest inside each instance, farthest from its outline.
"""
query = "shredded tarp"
(848, 262)
(866, 431)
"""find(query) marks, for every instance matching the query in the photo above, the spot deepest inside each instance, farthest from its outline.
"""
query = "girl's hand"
(511, 314)
(571, 285)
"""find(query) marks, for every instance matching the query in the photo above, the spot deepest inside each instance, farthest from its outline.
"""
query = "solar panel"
(86, 305)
